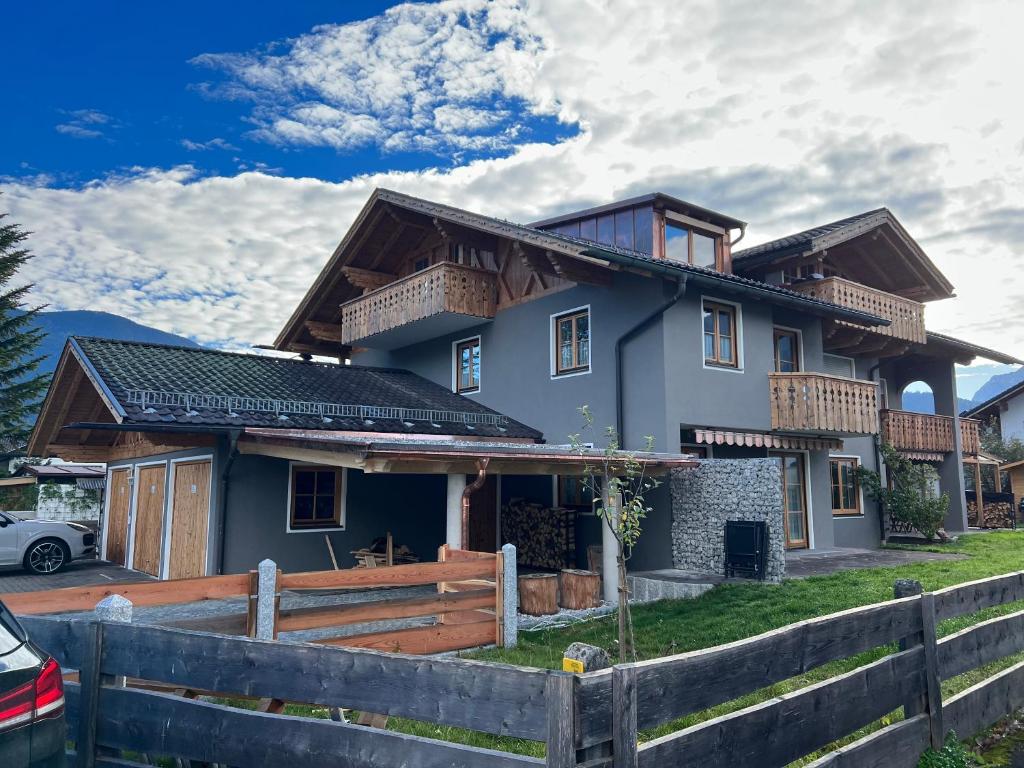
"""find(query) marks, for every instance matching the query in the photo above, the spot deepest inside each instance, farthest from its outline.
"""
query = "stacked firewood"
(544, 537)
(995, 514)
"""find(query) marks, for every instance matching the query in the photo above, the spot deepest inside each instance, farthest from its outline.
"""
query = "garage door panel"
(118, 508)
(190, 511)
(149, 519)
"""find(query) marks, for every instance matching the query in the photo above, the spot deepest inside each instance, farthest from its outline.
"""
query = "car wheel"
(47, 556)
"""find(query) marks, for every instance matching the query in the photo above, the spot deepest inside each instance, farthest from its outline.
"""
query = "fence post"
(933, 684)
(509, 596)
(909, 588)
(250, 616)
(560, 698)
(109, 609)
(624, 728)
(267, 600)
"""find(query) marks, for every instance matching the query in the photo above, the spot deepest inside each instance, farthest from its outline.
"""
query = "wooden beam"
(569, 268)
(367, 279)
(324, 331)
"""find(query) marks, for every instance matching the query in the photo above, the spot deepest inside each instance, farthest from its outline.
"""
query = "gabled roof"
(324, 293)
(836, 233)
(968, 351)
(163, 386)
(1006, 394)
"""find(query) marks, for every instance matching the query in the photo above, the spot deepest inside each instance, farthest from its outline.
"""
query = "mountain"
(997, 384)
(924, 402)
(60, 325)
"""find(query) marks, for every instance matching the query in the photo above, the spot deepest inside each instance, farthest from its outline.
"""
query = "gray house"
(451, 331)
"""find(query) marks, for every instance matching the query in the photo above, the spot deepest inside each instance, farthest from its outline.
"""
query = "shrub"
(908, 497)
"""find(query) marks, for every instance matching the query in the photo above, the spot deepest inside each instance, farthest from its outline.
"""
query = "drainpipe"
(223, 512)
(743, 233)
(481, 475)
(621, 342)
(872, 374)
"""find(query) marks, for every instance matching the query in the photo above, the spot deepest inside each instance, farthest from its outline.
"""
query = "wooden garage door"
(120, 503)
(149, 519)
(189, 515)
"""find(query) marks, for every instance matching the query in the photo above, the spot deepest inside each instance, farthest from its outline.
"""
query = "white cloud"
(420, 76)
(786, 116)
(85, 124)
(202, 146)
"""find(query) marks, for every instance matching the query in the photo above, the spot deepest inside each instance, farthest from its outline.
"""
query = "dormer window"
(690, 245)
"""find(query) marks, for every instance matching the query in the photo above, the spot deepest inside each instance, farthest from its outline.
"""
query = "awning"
(91, 483)
(426, 454)
(923, 455)
(7, 481)
(767, 440)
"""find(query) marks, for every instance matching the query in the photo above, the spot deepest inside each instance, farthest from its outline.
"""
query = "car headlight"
(79, 527)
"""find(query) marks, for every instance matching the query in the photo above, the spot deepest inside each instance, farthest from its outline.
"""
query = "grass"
(735, 611)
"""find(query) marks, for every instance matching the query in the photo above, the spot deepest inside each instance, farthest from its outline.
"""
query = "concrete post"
(114, 608)
(266, 600)
(453, 527)
(609, 550)
(510, 597)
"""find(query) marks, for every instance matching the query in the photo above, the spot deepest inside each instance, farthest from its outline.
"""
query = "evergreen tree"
(20, 386)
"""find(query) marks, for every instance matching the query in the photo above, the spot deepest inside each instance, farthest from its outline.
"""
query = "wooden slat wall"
(818, 402)
(906, 316)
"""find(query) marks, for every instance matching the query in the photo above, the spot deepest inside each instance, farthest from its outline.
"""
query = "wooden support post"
(89, 677)
(624, 721)
(559, 697)
(909, 588)
(933, 683)
(499, 600)
(979, 499)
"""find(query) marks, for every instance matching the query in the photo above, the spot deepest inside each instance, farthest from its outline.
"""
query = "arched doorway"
(917, 397)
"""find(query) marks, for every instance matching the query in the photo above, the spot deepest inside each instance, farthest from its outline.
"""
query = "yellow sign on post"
(572, 665)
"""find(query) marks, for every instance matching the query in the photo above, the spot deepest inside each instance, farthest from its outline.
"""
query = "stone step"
(645, 590)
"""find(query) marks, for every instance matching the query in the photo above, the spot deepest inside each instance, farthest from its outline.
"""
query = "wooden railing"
(906, 316)
(929, 433)
(817, 402)
(444, 287)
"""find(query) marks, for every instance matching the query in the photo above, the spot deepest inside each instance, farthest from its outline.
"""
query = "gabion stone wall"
(704, 497)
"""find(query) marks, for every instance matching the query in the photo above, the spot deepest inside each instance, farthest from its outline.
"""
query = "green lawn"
(735, 611)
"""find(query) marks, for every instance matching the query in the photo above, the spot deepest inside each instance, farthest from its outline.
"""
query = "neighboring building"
(464, 328)
(1007, 409)
(64, 490)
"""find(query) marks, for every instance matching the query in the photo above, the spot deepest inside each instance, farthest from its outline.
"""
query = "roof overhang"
(964, 352)
(427, 454)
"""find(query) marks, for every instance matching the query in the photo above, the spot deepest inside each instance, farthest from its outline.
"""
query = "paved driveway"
(83, 573)
(820, 562)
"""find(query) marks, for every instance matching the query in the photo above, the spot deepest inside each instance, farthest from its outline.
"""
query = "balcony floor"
(421, 330)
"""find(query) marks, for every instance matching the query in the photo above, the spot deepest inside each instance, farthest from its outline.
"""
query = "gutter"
(745, 288)
(627, 336)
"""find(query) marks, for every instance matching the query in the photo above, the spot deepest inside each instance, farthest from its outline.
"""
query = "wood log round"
(538, 594)
(579, 589)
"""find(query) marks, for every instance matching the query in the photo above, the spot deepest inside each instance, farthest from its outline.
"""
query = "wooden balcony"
(441, 299)
(817, 402)
(928, 433)
(906, 316)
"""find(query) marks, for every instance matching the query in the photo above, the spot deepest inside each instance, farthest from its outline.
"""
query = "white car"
(43, 546)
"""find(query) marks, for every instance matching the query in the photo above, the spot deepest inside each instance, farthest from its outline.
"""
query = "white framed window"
(466, 365)
(721, 334)
(316, 498)
(571, 342)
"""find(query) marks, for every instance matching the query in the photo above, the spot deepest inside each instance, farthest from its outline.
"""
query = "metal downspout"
(872, 374)
(621, 342)
(469, 490)
(224, 485)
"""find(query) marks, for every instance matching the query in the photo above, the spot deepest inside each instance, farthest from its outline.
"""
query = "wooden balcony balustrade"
(928, 433)
(818, 402)
(906, 316)
(445, 289)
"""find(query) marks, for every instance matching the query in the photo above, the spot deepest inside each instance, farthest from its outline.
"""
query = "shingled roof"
(801, 241)
(185, 386)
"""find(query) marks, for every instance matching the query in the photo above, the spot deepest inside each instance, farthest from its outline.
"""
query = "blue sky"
(117, 85)
(191, 166)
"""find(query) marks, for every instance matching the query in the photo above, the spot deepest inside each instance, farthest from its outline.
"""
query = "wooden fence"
(469, 603)
(585, 720)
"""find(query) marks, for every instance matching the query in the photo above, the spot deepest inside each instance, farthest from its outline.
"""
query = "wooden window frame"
(572, 316)
(340, 491)
(458, 346)
(717, 307)
(798, 347)
(691, 226)
(858, 510)
(801, 456)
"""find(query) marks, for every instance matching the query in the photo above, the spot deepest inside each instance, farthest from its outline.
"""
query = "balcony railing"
(817, 402)
(906, 316)
(443, 289)
(927, 433)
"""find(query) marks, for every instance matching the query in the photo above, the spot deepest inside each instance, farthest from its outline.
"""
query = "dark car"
(32, 728)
